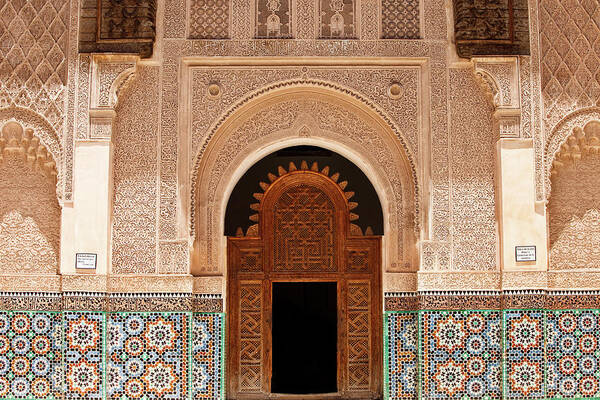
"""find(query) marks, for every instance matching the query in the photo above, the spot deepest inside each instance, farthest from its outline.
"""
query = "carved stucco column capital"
(499, 77)
(110, 75)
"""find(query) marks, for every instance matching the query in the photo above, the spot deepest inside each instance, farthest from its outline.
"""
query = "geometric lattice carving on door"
(251, 260)
(304, 231)
(283, 174)
(250, 337)
(359, 335)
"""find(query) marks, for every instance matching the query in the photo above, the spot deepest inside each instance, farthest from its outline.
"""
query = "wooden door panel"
(247, 255)
(302, 235)
(250, 332)
(305, 230)
(362, 255)
(359, 335)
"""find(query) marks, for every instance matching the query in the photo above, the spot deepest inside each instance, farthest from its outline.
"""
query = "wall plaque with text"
(85, 260)
(525, 253)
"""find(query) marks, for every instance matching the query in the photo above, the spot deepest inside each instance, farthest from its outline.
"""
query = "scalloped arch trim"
(568, 140)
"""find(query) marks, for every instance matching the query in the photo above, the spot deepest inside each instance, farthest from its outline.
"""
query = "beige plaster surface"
(86, 224)
(522, 219)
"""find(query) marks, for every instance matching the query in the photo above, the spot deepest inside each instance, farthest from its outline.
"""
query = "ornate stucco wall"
(135, 138)
(125, 129)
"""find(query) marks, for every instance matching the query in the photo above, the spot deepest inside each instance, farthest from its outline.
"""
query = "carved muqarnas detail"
(16, 142)
(29, 210)
(580, 143)
(574, 206)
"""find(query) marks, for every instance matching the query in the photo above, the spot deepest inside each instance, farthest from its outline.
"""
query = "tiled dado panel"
(31, 365)
(573, 354)
(84, 344)
(460, 353)
(208, 355)
(524, 362)
(401, 361)
(111, 355)
(509, 354)
(146, 356)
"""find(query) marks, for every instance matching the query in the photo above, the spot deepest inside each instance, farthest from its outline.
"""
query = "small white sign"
(85, 260)
(525, 253)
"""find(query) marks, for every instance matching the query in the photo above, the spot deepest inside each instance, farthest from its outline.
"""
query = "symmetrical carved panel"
(251, 260)
(337, 19)
(209, 19)
(327, 120)
(304, 231)
(250, 328)
(135, 172)
(373, 82)
(577, 244)
(174, 257)
(33, 64)
(359, 335)
(358, 260)
(29, 209)
(400, 19)
(273, 18)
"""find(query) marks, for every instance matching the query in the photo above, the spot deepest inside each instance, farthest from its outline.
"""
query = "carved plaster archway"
(33, 122)
(313, 114)
(29, 209)
(566, 130)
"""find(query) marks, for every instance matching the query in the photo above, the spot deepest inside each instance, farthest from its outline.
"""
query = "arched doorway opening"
(291, 114)
(304, 282)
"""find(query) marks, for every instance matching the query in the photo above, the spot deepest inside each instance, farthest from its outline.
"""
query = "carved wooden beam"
(491, 27)
(118, 26)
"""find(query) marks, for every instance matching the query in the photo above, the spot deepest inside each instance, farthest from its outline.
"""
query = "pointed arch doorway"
(304, 293)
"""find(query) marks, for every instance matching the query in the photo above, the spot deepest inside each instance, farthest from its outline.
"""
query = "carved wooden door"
(304, 233)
